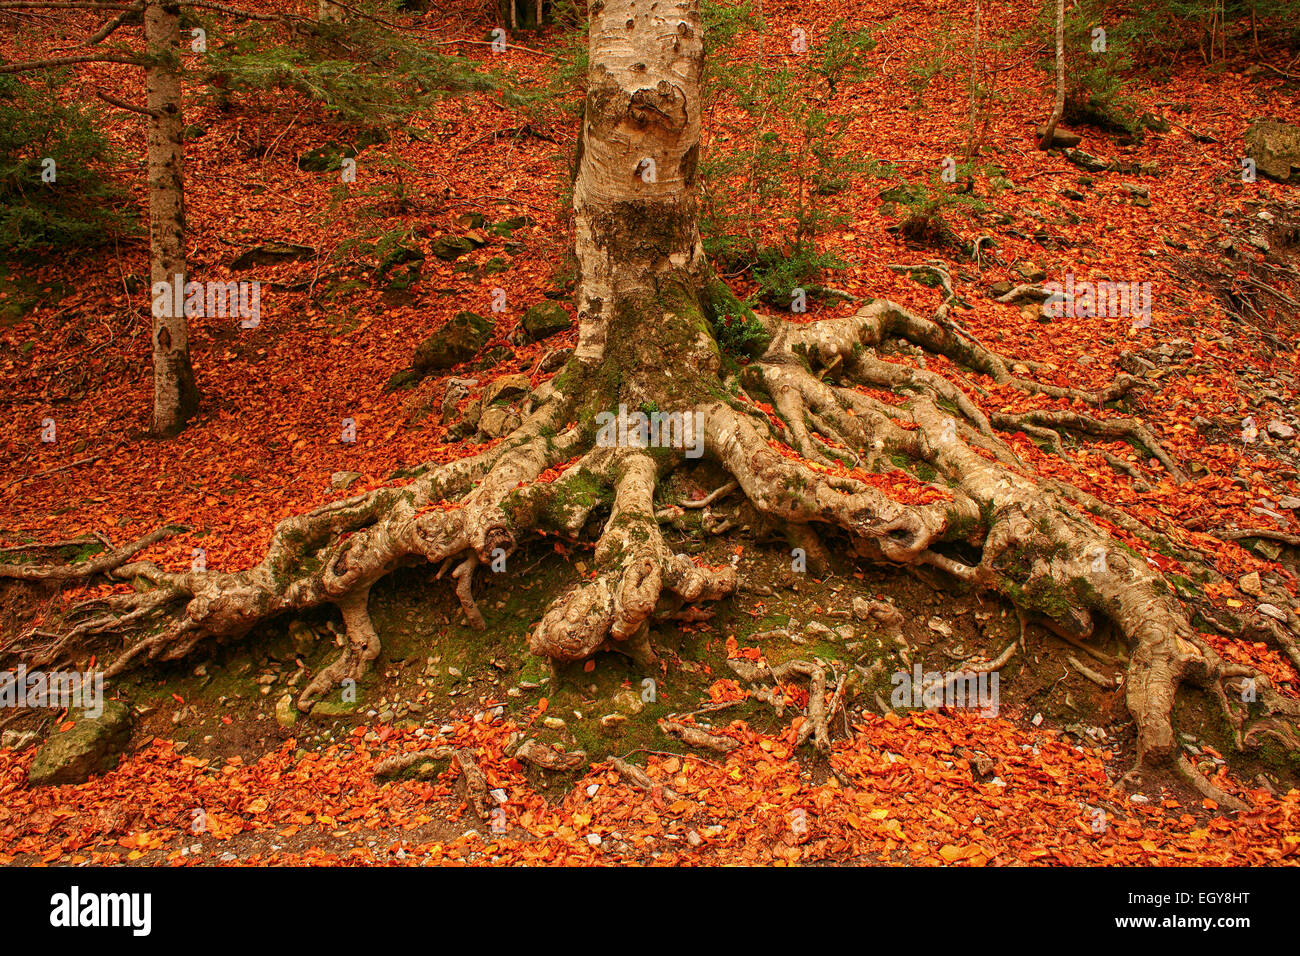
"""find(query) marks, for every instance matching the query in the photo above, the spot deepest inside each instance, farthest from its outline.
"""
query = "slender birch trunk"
(176, 396)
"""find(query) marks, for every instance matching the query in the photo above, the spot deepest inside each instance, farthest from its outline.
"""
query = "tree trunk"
(1058, 109)
(636, 195)
(327, 12)
(175, 395)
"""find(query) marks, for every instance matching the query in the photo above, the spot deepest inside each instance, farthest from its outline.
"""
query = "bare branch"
(24, 65)
(60, 5)
(123, 105)
(109, 27)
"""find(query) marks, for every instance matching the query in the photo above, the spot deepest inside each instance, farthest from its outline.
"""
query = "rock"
(497, 421)
(818, 631)
(507, 226)
(554, 723)
(1289, 502)
(286, 715)
(1134, 364)
(1275, 148)
(403, 378)
(1061, 139)
(999, 289)
(1086, 161)
(272, 253)
(340, 480)
(392, 276)
(628, 702)
(1135, 190)
(329, 709)
(544, 320)
(18, 740)
(457, 341)
(1029, 271)
(1280, 429)
(457, 392)
(92, 745)
(451, 248)
(1250, 583)
(1072, 194)
(469, 220)
(505, 390)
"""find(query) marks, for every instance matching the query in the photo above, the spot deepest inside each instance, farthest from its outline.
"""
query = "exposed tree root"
(422, 760)
(997, 526)
(475, 783)
(638, 777)
(58, 574)
(549, 758)
(699, 737)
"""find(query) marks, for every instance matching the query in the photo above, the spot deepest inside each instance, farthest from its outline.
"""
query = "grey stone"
(92, 745)
(505, 390)
(1275, 148)
(457, 341)
(544, 320)
(1280, 429)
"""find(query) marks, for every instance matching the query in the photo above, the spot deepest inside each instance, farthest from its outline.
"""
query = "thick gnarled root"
(638, 575)
(1037, 544)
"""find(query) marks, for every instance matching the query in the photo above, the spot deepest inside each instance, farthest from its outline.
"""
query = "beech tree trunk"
(636, 196)
(176, 396)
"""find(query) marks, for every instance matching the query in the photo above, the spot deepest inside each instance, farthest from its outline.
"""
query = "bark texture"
(635, 197)
(1058, 104)
(176, 396)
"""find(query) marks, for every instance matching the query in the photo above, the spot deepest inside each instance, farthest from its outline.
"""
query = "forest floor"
(216, 775)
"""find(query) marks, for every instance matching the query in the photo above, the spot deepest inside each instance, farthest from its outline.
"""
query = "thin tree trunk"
(1059, 108)
(972, 143)
(175, 395)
